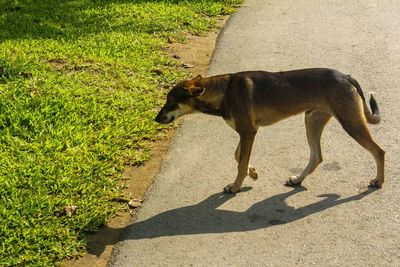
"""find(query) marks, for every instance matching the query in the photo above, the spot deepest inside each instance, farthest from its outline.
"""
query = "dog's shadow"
(205, 217)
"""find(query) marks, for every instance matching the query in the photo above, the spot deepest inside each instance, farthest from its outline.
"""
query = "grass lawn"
(80, 81)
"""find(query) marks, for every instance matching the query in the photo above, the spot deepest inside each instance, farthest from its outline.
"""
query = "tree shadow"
(68, 20)
(205, 217)
(49, 19)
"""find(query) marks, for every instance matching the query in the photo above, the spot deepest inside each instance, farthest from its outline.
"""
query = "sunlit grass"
(78, 93)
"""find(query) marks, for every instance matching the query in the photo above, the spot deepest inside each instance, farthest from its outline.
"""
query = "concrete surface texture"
(334, 220)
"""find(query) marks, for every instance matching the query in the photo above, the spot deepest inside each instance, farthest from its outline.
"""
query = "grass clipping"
(79, 83)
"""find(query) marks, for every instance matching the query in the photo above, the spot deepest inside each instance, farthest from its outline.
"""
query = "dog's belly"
(268, 116)
(231, 123)
(268, 120)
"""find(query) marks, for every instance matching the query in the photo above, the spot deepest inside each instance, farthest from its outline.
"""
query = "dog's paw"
(293, 181)
(231, 188)
(376, 183)
(252, 173)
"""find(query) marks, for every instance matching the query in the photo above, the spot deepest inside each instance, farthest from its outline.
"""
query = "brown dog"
(248, 100)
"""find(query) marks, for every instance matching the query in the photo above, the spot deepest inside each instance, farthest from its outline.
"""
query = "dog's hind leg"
(252, 171)
(315, 122)
(356, 127)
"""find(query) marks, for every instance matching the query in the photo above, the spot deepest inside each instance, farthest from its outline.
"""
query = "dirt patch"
(196, 53)
(195, 56)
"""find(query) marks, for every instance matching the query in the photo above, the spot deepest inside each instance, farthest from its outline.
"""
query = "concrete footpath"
(334, 220)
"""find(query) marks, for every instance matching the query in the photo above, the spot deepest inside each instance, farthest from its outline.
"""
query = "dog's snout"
(168, 114)
(162, 118)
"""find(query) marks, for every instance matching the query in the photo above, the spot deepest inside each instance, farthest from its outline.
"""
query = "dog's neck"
(211, 101)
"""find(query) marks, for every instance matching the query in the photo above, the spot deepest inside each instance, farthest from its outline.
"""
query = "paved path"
(335, 220)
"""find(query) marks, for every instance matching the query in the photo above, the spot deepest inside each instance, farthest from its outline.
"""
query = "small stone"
(187, 66)
(135, 203)
(177, 56)
(70, 210)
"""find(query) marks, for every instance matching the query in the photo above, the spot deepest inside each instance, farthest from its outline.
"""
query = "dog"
(250, 99)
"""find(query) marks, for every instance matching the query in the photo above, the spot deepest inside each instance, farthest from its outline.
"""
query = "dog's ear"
(196, 91)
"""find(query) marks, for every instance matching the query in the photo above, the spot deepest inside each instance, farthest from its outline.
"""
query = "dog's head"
(180, 100)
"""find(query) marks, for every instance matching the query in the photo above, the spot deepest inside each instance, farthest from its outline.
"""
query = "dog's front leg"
(252, 171)
(246, 143)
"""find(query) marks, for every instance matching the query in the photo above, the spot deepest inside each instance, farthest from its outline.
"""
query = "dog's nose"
(158, 118)
(161, 119)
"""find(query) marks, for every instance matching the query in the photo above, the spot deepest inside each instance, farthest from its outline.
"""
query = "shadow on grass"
(205, 217)
(71, 19)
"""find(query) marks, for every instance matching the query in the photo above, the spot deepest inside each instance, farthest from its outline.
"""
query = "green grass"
(78, 94)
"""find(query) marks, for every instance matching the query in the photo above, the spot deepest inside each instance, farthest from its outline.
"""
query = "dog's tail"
(372, 117)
